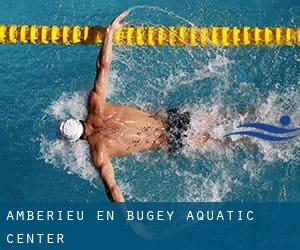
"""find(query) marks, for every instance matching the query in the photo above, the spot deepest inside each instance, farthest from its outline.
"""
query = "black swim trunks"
(177, 125)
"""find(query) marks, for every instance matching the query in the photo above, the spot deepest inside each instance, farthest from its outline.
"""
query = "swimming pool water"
(42, 84)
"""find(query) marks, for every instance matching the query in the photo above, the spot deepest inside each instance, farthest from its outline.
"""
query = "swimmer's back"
(126, 130)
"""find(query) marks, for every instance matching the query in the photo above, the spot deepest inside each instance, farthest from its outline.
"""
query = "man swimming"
(117, 130)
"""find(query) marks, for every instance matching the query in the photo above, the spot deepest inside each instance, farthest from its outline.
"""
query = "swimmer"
(114, 130)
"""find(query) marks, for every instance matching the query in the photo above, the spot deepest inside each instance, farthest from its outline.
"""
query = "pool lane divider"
(152, 35)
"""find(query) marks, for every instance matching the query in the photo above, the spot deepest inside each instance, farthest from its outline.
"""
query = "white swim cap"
(70, 130)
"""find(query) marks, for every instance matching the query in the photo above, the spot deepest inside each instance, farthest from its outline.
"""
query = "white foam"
(214, 118)
(216, 121)
(271, 110)
(68, 105)
(72, 157)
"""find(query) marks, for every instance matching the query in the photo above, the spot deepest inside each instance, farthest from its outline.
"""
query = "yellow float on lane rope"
(152, 35)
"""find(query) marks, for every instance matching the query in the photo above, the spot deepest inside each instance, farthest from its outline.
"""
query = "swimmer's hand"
(115, 24)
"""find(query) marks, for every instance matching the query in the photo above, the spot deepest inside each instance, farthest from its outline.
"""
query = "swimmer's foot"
(200, 140)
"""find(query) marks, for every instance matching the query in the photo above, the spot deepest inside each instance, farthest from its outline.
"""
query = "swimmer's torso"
(124, 130)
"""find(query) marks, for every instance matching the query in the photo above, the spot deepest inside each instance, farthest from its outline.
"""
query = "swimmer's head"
(70, 130)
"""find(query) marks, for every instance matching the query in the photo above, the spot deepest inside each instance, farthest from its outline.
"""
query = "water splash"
(192, 185)
(74, 158)
(215, 85)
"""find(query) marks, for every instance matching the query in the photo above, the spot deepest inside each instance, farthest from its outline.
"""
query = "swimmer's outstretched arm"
(103, 164)
(105, 56)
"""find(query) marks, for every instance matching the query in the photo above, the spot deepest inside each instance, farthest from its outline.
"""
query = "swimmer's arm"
(103, 164)
(105, 56)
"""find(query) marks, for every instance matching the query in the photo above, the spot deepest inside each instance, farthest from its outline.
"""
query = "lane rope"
(152, 35)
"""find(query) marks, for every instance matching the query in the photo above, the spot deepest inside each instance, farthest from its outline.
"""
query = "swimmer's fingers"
(115, 24)
(122, 25)
(122, 16)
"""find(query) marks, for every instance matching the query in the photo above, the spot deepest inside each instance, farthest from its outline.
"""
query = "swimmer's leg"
(203, 138)
(200, 140)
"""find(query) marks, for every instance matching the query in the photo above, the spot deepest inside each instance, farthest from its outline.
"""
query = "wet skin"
(113, 129)
(118, 130)
(123, 130)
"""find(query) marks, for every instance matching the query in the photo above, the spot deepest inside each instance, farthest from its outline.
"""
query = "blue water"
(42, 84)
